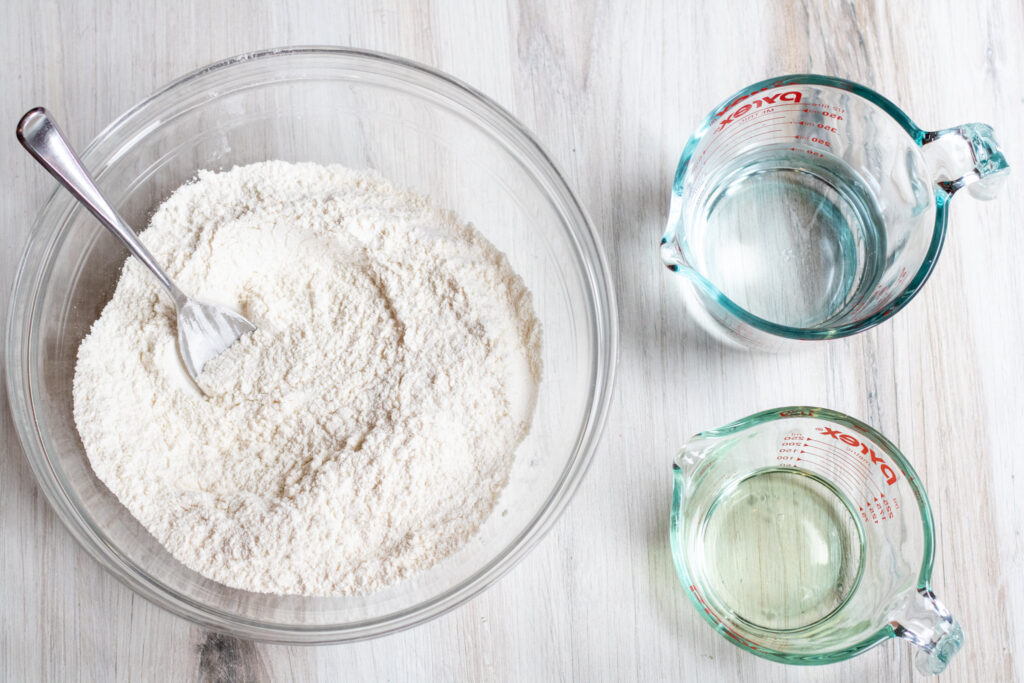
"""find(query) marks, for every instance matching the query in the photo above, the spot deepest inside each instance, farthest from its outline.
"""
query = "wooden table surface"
(612, 90)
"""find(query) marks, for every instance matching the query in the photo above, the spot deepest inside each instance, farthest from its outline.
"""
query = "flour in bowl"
(367, 428)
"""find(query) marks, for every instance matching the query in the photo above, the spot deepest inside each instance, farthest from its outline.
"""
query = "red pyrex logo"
(890, 476)
(793, 96)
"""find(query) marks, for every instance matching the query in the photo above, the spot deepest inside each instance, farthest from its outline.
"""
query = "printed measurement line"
(826, 130)
(740, 144)
(784, 139)
(840, 475)
(847, 466)
(824, 464)
(857, 457)
(739, 132)
(827, 125)
(851, 455)
(844, 456)
(773, 107)
(851, 460)
(747, 126)
(732, 146)
(746, 117)
(836, 449)
(878, 508)
(747, 122)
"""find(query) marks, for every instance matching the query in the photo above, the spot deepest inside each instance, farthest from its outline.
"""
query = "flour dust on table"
(363, 432)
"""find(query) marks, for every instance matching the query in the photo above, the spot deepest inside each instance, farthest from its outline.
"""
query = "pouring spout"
(924, 621)
(672, 255)
(695, 457)
(671, 250)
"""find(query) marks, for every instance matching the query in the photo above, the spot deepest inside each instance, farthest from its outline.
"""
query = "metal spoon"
(204, 330)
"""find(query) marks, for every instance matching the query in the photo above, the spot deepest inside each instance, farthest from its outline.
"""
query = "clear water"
(793, 239)
(780, 550)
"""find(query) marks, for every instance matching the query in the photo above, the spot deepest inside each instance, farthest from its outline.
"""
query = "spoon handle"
(39, 134)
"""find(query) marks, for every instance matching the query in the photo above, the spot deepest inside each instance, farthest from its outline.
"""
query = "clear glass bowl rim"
(30, 282)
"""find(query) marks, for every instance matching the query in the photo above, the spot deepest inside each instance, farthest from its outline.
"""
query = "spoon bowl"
(204, 331)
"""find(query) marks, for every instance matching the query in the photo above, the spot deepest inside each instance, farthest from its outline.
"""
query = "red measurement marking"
(766, 101)
(848, 465)
(816, 140)
(749, 120)
(826, 114)
(849, 460)
(822, 126)
(760, 145)
(834, 470)
(838, 450)
(732, 146)
(778, 108)
(741, 134)
(714, 617)
(865, 449)
(738, 132)
(825, 464)
(880, 290)
(747, 123)
(879, 509)
(816, 106)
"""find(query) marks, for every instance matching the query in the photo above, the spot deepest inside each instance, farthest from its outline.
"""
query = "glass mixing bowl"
(419, 128)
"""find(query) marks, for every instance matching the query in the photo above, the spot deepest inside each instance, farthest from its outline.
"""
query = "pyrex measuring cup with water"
(807, 207)
(804, 536)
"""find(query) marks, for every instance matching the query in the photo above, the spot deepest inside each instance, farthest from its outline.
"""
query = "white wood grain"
(612, 90)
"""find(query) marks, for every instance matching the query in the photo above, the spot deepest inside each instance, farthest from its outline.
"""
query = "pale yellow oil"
(781, 549)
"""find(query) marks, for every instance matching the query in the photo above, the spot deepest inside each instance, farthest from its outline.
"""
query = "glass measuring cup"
(804, 536)
(807, 207)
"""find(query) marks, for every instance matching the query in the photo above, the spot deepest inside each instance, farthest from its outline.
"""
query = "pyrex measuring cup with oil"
(807, 207)
(804, 536)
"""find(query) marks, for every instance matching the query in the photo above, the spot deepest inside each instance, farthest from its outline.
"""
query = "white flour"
(363, 433)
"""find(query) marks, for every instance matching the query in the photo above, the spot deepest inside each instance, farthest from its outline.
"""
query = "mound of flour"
(363, 433)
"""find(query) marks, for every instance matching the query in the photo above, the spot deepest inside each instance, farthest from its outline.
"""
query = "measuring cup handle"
(925, 622)
(966, 156)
